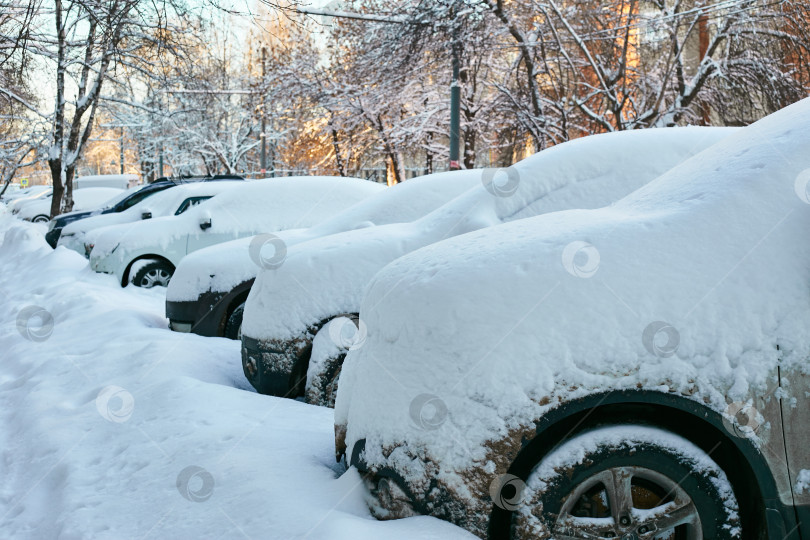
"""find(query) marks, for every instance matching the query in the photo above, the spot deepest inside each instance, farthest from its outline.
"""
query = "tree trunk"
(336, 146)
(55, 165)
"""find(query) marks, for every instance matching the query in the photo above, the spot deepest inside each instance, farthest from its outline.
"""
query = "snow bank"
(685, 286)
(327, 276)
(111, 426)
(221, 268)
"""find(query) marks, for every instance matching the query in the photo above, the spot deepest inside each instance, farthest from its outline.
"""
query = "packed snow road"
(111, 426)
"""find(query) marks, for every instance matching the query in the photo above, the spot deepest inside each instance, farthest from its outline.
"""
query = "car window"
(138, 197)
(188, 203)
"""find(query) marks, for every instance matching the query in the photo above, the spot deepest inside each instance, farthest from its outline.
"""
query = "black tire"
(42, 218)
(233, 326)
(655, 472)
(153, 274)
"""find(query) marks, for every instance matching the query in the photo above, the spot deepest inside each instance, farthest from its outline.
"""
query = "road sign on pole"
(24, 182)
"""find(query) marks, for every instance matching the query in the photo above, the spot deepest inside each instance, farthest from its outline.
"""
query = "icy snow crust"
(76, 466)
(162, 203)
(497, 321)
(326, 276)
(250, 208)
(222, 267)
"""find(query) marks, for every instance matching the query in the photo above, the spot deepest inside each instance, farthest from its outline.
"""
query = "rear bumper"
(208, 314)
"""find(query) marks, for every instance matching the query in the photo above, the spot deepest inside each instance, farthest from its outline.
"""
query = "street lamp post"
(455, 108)
(264, 115)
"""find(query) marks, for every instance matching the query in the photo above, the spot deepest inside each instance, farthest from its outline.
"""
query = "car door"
(795, 384)
(208, 230)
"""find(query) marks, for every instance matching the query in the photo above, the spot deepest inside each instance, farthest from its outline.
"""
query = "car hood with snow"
(83, 199)
(222, 267)
(695, 285)
(325, 278)
(251, 208)
(163, 203)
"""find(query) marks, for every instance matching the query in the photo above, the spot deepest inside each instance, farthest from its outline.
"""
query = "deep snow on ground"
(111, 426)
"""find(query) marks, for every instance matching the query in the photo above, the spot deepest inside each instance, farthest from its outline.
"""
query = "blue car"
(131, 199)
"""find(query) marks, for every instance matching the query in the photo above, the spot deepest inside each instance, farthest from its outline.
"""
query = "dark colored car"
(214, 313)
(60, 222)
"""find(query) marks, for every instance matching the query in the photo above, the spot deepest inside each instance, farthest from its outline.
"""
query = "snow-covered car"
(147, 252)
(121, 181)
(27, 195)
(208, 290)
(324, 279)
(636, 371)
(128, 198)
(10, 192)
(12, 195)
(153, 201)
(39, 209)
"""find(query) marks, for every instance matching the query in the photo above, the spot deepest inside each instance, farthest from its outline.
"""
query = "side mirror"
(146, 214)
(205, 222)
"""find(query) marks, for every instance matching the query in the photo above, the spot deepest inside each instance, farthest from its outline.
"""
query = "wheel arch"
(745, 466)
(303, 362)
(234, 303)
(125, 275)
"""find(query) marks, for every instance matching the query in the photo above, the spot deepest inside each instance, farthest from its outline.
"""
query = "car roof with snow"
(247, 208)
(162, 203)
(559, 306)
(584, 173)
(223, 266)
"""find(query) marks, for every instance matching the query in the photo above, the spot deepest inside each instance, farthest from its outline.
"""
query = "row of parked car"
(607, 339)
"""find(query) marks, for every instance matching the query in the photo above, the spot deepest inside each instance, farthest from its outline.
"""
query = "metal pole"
(122, 149)
(160, 156)
(264, 116)
(455, 107)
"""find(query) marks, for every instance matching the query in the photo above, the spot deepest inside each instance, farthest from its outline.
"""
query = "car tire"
(233, 326)
(617, 474)
(153, 274)
(42, 218)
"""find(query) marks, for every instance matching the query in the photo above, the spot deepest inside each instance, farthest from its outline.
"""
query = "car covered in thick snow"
(38, 210)
(27, 195)
(157, 201)
(147, 252)
(635, 371)
(15, 191)
(323, 279)
(120, 181)
(208, 290)
(127, 200)
(124, 200)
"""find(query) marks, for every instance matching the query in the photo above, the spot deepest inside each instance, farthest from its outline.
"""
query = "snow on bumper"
(277, 367)
(74, 241)
(103, 265)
